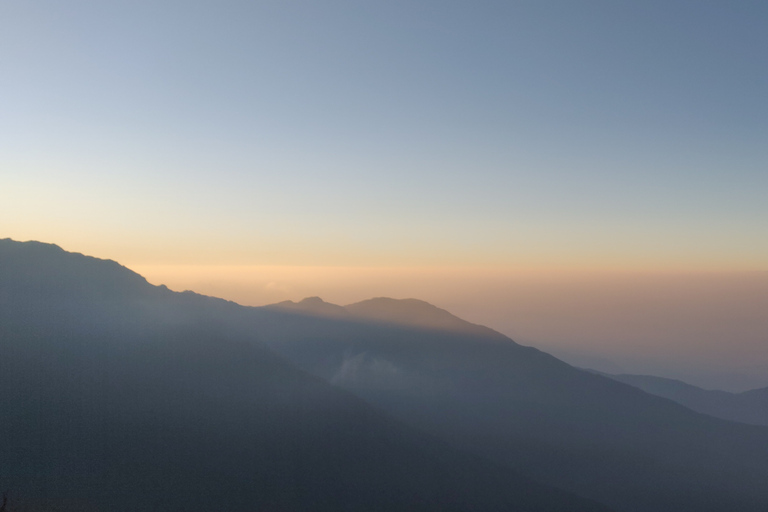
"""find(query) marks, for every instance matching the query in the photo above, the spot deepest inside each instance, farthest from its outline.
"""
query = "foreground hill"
(117, 395)
(521, 407)
(747, 407)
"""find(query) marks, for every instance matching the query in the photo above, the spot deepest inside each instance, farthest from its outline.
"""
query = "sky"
(339, 148)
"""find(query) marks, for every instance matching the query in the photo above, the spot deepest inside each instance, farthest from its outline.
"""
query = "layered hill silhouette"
(117, 395)
(386, 311)
(523, 408)
(120, 395)
(746, 407)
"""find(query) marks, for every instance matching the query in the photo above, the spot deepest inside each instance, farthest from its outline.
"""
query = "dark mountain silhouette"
(311, 306)
(484, 393)
(414, 313)
(117, 395)
(747, 407)
(386, 311)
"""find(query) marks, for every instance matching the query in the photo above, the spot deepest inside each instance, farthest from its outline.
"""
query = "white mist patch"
(365, 370)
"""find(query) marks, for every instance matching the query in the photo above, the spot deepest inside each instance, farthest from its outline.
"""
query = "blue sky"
(513, 134)
(548, 168)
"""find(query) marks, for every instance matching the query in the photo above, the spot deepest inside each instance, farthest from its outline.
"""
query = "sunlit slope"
(118, 395)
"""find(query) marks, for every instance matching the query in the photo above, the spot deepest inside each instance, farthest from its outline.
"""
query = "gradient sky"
(546, 136)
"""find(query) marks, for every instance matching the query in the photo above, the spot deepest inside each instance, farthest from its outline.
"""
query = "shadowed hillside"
(523, 408)
(121, 396)
(747, 407)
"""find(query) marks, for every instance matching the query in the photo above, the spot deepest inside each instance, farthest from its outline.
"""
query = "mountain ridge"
(749, 407)
(146, 399)
(386, 310)
(477, 391)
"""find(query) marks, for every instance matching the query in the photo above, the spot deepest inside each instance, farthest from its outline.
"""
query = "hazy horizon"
(586, 177)
(707, 329)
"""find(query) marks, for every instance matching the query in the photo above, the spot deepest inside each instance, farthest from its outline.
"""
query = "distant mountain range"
(119, 395)
(746, 407)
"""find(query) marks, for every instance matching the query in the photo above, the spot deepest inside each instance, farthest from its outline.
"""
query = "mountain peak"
(313, 301)
(55, 270)
(413, 313)
(311, 305)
